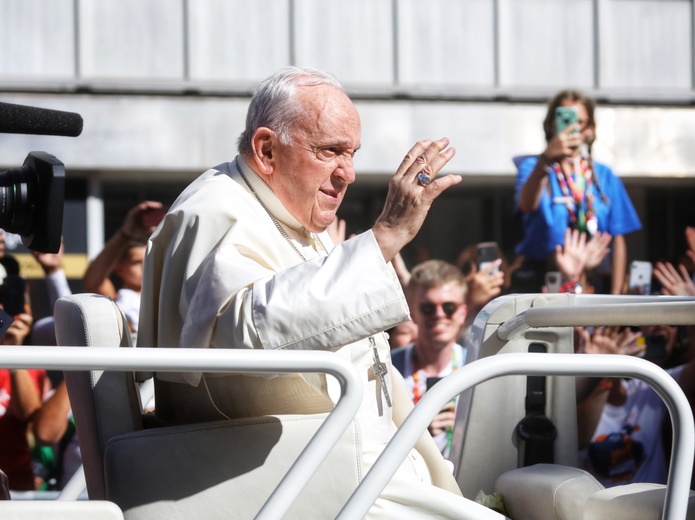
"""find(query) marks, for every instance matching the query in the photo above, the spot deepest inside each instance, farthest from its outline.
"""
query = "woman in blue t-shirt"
(564, 187)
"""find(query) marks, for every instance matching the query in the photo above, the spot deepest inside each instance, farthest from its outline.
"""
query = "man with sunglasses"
(436, 295)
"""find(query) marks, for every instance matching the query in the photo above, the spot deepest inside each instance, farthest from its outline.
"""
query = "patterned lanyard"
(418, 382)
(577, 188)
(418, 392)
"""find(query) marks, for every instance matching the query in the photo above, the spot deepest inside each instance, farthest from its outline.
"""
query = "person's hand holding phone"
(443, 420)
(567, 138)
(18, 330)
(484, 285)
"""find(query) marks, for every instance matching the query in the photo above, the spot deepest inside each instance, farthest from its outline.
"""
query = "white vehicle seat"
(554, 492)
(489, 456)
(59, 510)
(485, 444)
(206, 470)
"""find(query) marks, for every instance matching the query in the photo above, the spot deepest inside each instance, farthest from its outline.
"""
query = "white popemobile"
(515, 435)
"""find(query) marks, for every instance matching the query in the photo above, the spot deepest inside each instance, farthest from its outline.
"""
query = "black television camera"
(31, 196)
(31, 201)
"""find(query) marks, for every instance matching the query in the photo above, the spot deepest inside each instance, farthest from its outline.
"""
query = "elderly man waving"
(243, 260)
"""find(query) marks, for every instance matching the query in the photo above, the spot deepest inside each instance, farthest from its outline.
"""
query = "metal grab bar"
(220, 360)
(681, 312)
(476, 372)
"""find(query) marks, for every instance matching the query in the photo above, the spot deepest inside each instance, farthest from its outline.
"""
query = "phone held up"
(654, 347)
(487, 253)
(12, 294)
(431, 381)
(640, 281)
(553, 281)
(564, 117)
(12, 297)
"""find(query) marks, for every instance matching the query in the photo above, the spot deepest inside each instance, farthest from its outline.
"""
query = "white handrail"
(603, 314)
(220, 360)
(476, 372)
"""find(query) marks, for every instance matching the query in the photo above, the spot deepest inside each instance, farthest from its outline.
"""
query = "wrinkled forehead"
(326, 104)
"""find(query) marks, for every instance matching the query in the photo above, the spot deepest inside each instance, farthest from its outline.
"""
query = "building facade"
(163, 86)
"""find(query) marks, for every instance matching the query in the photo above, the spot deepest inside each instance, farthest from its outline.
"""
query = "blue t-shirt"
(545, 227)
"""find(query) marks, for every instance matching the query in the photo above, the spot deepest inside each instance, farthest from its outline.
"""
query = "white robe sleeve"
(324, 303)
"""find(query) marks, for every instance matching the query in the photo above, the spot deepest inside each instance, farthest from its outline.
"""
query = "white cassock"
(219, 273)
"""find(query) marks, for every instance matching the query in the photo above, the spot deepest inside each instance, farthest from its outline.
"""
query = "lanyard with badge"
(577, 196)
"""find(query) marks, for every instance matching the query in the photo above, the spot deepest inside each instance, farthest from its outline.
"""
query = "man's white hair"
(272, 105)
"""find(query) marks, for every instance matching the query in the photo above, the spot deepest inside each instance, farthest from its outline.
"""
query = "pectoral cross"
(379, 370)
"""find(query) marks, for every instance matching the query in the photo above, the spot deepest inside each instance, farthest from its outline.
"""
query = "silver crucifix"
(379, 370)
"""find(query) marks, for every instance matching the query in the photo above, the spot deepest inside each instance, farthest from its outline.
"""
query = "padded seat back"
(485, 444)
(226, 469)
(104, 404)
(214, 469)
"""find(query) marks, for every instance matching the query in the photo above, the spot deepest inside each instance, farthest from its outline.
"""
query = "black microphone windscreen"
(20, 119)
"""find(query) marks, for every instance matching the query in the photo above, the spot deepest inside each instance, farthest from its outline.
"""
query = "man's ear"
(263, 144)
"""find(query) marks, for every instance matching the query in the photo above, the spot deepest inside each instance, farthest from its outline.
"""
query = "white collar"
(269, 198)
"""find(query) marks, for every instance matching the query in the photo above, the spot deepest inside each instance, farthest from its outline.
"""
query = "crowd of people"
(252, 255)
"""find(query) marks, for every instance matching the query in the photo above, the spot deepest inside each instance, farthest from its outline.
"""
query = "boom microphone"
(19, 119)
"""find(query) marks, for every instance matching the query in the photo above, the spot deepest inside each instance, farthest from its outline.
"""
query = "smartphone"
(553, 281)
(486, 254)
(12, 294)
(640, 281)
(431, 381)
(564, 117)
(5, 321)
(654, 346)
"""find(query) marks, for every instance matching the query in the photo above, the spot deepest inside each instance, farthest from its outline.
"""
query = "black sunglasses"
(449, 308)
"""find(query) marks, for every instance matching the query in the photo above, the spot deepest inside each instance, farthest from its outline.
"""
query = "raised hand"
(571, 256)
(674, 282)
(408, 200)
(401, 270)
(564, 144)
(484, 286)
(609, 340)
(336, 230)
(18, 330)
(690, 239)
(141, 220)
(50, 262)
(578, 255)
(597, 249)
(443, 420)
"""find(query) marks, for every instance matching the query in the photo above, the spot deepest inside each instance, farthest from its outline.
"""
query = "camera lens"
(16, 213)
(31, 201)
